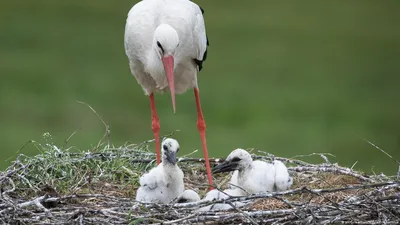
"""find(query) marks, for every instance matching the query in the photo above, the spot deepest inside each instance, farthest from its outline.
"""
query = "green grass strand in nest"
(67, 171)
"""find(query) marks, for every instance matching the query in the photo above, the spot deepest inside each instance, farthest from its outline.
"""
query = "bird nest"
(62, 186)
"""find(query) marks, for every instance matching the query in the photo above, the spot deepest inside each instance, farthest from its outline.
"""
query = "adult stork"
(166, 44)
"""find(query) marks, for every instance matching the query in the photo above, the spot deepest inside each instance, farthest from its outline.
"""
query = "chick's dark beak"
(225, 167)
(171, 157)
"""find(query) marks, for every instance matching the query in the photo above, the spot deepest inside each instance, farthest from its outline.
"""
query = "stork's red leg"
(155, 126)
(201, 125)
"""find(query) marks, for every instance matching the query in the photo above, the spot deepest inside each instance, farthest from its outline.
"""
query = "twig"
(69, 138)
(12, 187)
(243, 213)
(332, 169)
(213, 160)
(377, 147)
(107, 127)
(153, 140)
(293, 191)
(19, 149)
(354, 164)
(271, 157)
(398, 173)
(177, 221)
(185, 156)
(322, 155)
(236, 186)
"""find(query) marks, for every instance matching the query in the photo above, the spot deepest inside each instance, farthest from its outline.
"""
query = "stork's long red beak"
(168, 62)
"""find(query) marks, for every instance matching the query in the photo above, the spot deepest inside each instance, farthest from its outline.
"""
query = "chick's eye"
(177, 150)
(165, 147)
(236, 159)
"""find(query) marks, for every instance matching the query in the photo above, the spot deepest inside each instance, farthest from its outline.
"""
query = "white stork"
(166, 44)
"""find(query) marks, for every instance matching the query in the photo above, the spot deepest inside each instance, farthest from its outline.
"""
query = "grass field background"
(287, 77)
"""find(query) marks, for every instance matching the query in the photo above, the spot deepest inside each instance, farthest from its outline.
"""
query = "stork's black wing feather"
(197, 61)
(202, 10)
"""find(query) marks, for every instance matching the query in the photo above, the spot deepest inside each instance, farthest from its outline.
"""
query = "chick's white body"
(188, 196)
(258, 176)
(161, 185)
(164, 182)
(283, 181)
(252, 176)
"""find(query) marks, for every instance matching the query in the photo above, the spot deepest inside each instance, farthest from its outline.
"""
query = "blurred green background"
(287, 77)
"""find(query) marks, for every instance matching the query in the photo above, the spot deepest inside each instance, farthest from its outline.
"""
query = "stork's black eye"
(236, 159)
(165, 147)
(159, 45)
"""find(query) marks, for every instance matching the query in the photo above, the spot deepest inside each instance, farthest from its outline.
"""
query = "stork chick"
(283, 181)
(164, 182)
(253, 176)
(188, 196)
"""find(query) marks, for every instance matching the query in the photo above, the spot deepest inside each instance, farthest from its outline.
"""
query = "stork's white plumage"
(166, 44)
(164, 182)
(253, 176)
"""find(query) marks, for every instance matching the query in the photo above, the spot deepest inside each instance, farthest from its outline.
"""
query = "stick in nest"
(107, 127)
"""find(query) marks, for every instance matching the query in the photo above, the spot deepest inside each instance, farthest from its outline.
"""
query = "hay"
(98, 187)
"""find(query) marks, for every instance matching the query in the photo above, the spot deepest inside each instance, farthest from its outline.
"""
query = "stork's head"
(239, 159)
(169, 149)
(165, 42)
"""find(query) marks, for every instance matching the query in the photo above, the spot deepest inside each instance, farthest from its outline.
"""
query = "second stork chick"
(254, 176)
